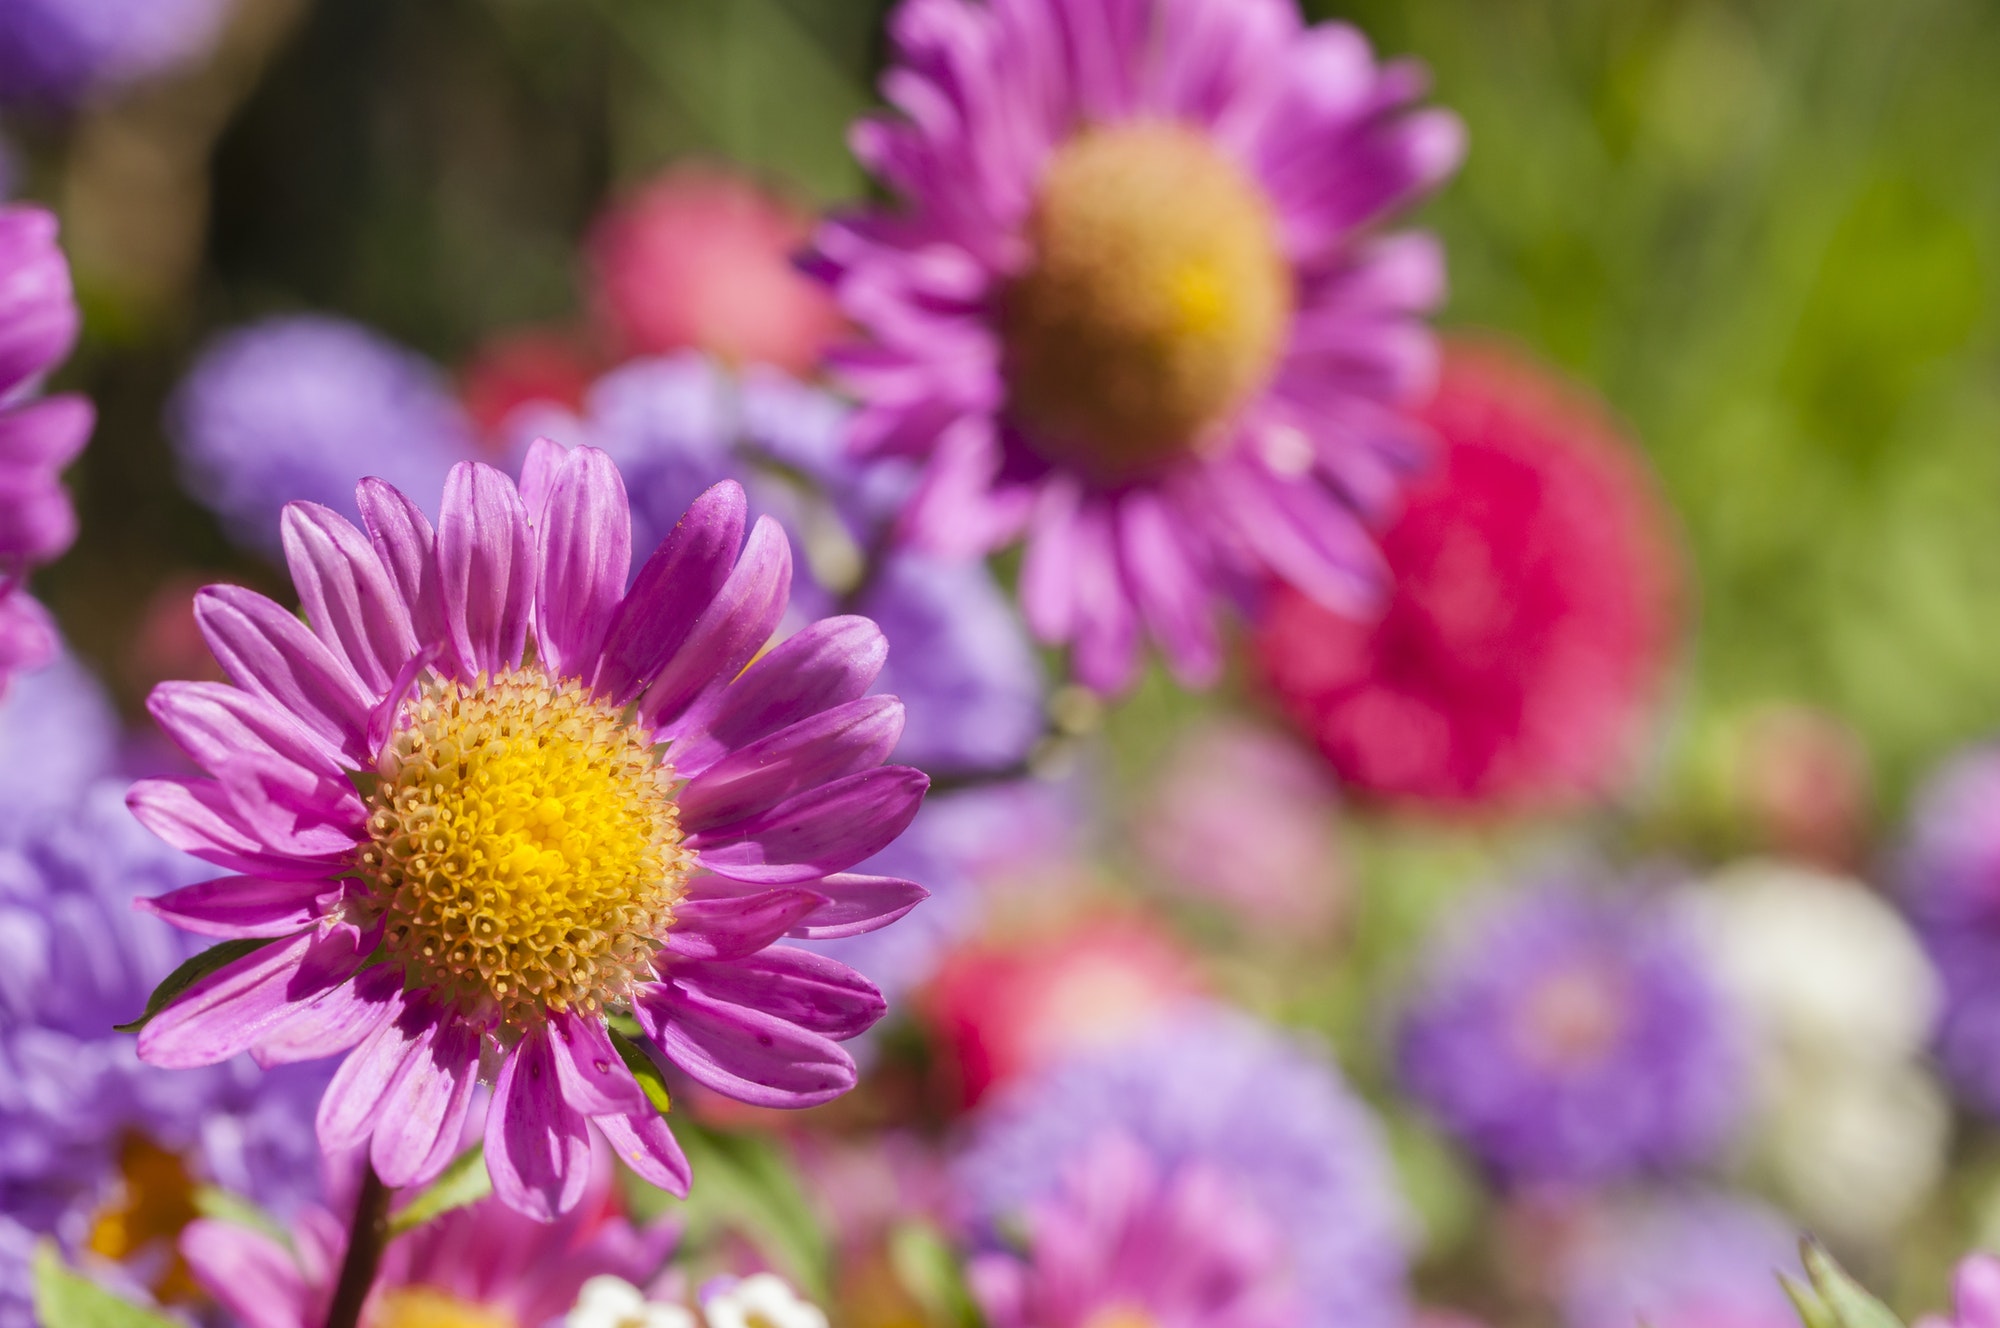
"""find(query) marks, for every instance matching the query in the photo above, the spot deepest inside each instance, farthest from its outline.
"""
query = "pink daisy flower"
(1134, 308)
(495, 817)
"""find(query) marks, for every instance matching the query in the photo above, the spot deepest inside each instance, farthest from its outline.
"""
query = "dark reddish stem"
(365, 1239)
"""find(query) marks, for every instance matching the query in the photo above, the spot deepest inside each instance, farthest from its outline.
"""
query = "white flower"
(762, 1301)
(612, 1302)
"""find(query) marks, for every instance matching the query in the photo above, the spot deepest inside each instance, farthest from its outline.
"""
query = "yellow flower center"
(1121, 1316)
(524, 845)
(427, 1307)
(1156, 304)
(154, 1199)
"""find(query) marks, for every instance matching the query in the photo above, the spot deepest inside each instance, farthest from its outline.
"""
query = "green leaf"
(651, 1082)
(1812, 1310)
(929, 1270)
(220, 1204)
(465, 1181)
(1847, 1305)
(66, 1298)
(744, 1185)
(191, 972)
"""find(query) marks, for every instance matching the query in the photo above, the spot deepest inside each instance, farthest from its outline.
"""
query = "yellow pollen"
(1156, 304)
(524, 846)
(427, 1307)
(153, 1201)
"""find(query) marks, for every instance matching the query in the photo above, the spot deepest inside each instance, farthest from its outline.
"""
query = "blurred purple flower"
(1134, 304)
(38, 435)
(1693, 1260)
(1121, 1243)
(1245, 817)
(63, 716)
(1574, 1036)
(970, 684)
(1212, 1089)
(301, 407)
(1951, 886)
(58, 52)
(1975, 1295)
(75, 958)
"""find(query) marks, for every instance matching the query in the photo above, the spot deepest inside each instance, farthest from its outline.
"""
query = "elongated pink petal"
(822, 831)
(334, 1021)
(235, 1006)
(677, 582)
(584, 553)
(728, 928)
(212, 722)
(729, 632)
(347, 593)
(423, 1112)
(538, 476)
(856, 905)
(195, 816)
(486, 568)
(251, 1274)
(240, 906)
(268, 652)
(407, 545)
(644, 1143)
(812, 991)
(537, 1146)
(743, 1053)
(835, 743)
(823, 665)
(592, 1075)
(351, 1103)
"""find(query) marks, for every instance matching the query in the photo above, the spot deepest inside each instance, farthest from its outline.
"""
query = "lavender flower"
(1565, 1035)
(1951, 877)
(1212, 1089)
(1689, 1260)
(301, 408)
(58, 52)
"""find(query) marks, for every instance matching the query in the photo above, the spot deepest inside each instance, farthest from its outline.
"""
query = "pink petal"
(239, 906)
(856, 905)
(334, 1021)
(268, 652)
(195, 816)
(251, 1274)
(584, 552)
(830, 745)
(743, 1053)
(824, 830)
(727, 928)
(407, 546)
(239, 1003)
(349, 1107)
(486, 568)
(423, 1113)
(826, 664)
(537, 1148)
(644, 1143)
(347, 594)
(593, 1076)
(812, 991)
(538, 475)
(678, 581)
(730, 631)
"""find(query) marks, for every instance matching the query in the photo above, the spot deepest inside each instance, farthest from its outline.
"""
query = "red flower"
(1533, 608)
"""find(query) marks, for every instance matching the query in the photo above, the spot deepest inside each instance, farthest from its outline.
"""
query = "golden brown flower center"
(153, 1201)
(524, 845)
(427, 1307)
(1156, 304)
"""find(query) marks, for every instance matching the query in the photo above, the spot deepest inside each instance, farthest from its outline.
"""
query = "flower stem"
(365, 1239)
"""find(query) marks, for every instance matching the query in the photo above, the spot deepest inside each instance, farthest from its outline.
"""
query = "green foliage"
(194, 970)
(1834, 1300)
(930, 1270)
(651, 1082)
(465, 1181)
(213, 1202)
(66, 1299)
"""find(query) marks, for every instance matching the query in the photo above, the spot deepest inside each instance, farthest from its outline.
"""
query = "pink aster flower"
(38, 435)
(483, 1266)
(1122, 1246)
(495, 816)
(701, 258)
(1135, 307)
(1532, 617)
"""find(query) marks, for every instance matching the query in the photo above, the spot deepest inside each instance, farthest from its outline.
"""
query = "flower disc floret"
(1156, 303)
(524, 844)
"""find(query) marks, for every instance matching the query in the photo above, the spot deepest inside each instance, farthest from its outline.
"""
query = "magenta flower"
(1135, 308)
(1123, 1245)
(483, 1266)
(495, 815)
(38, 435)
(1975, 1295)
